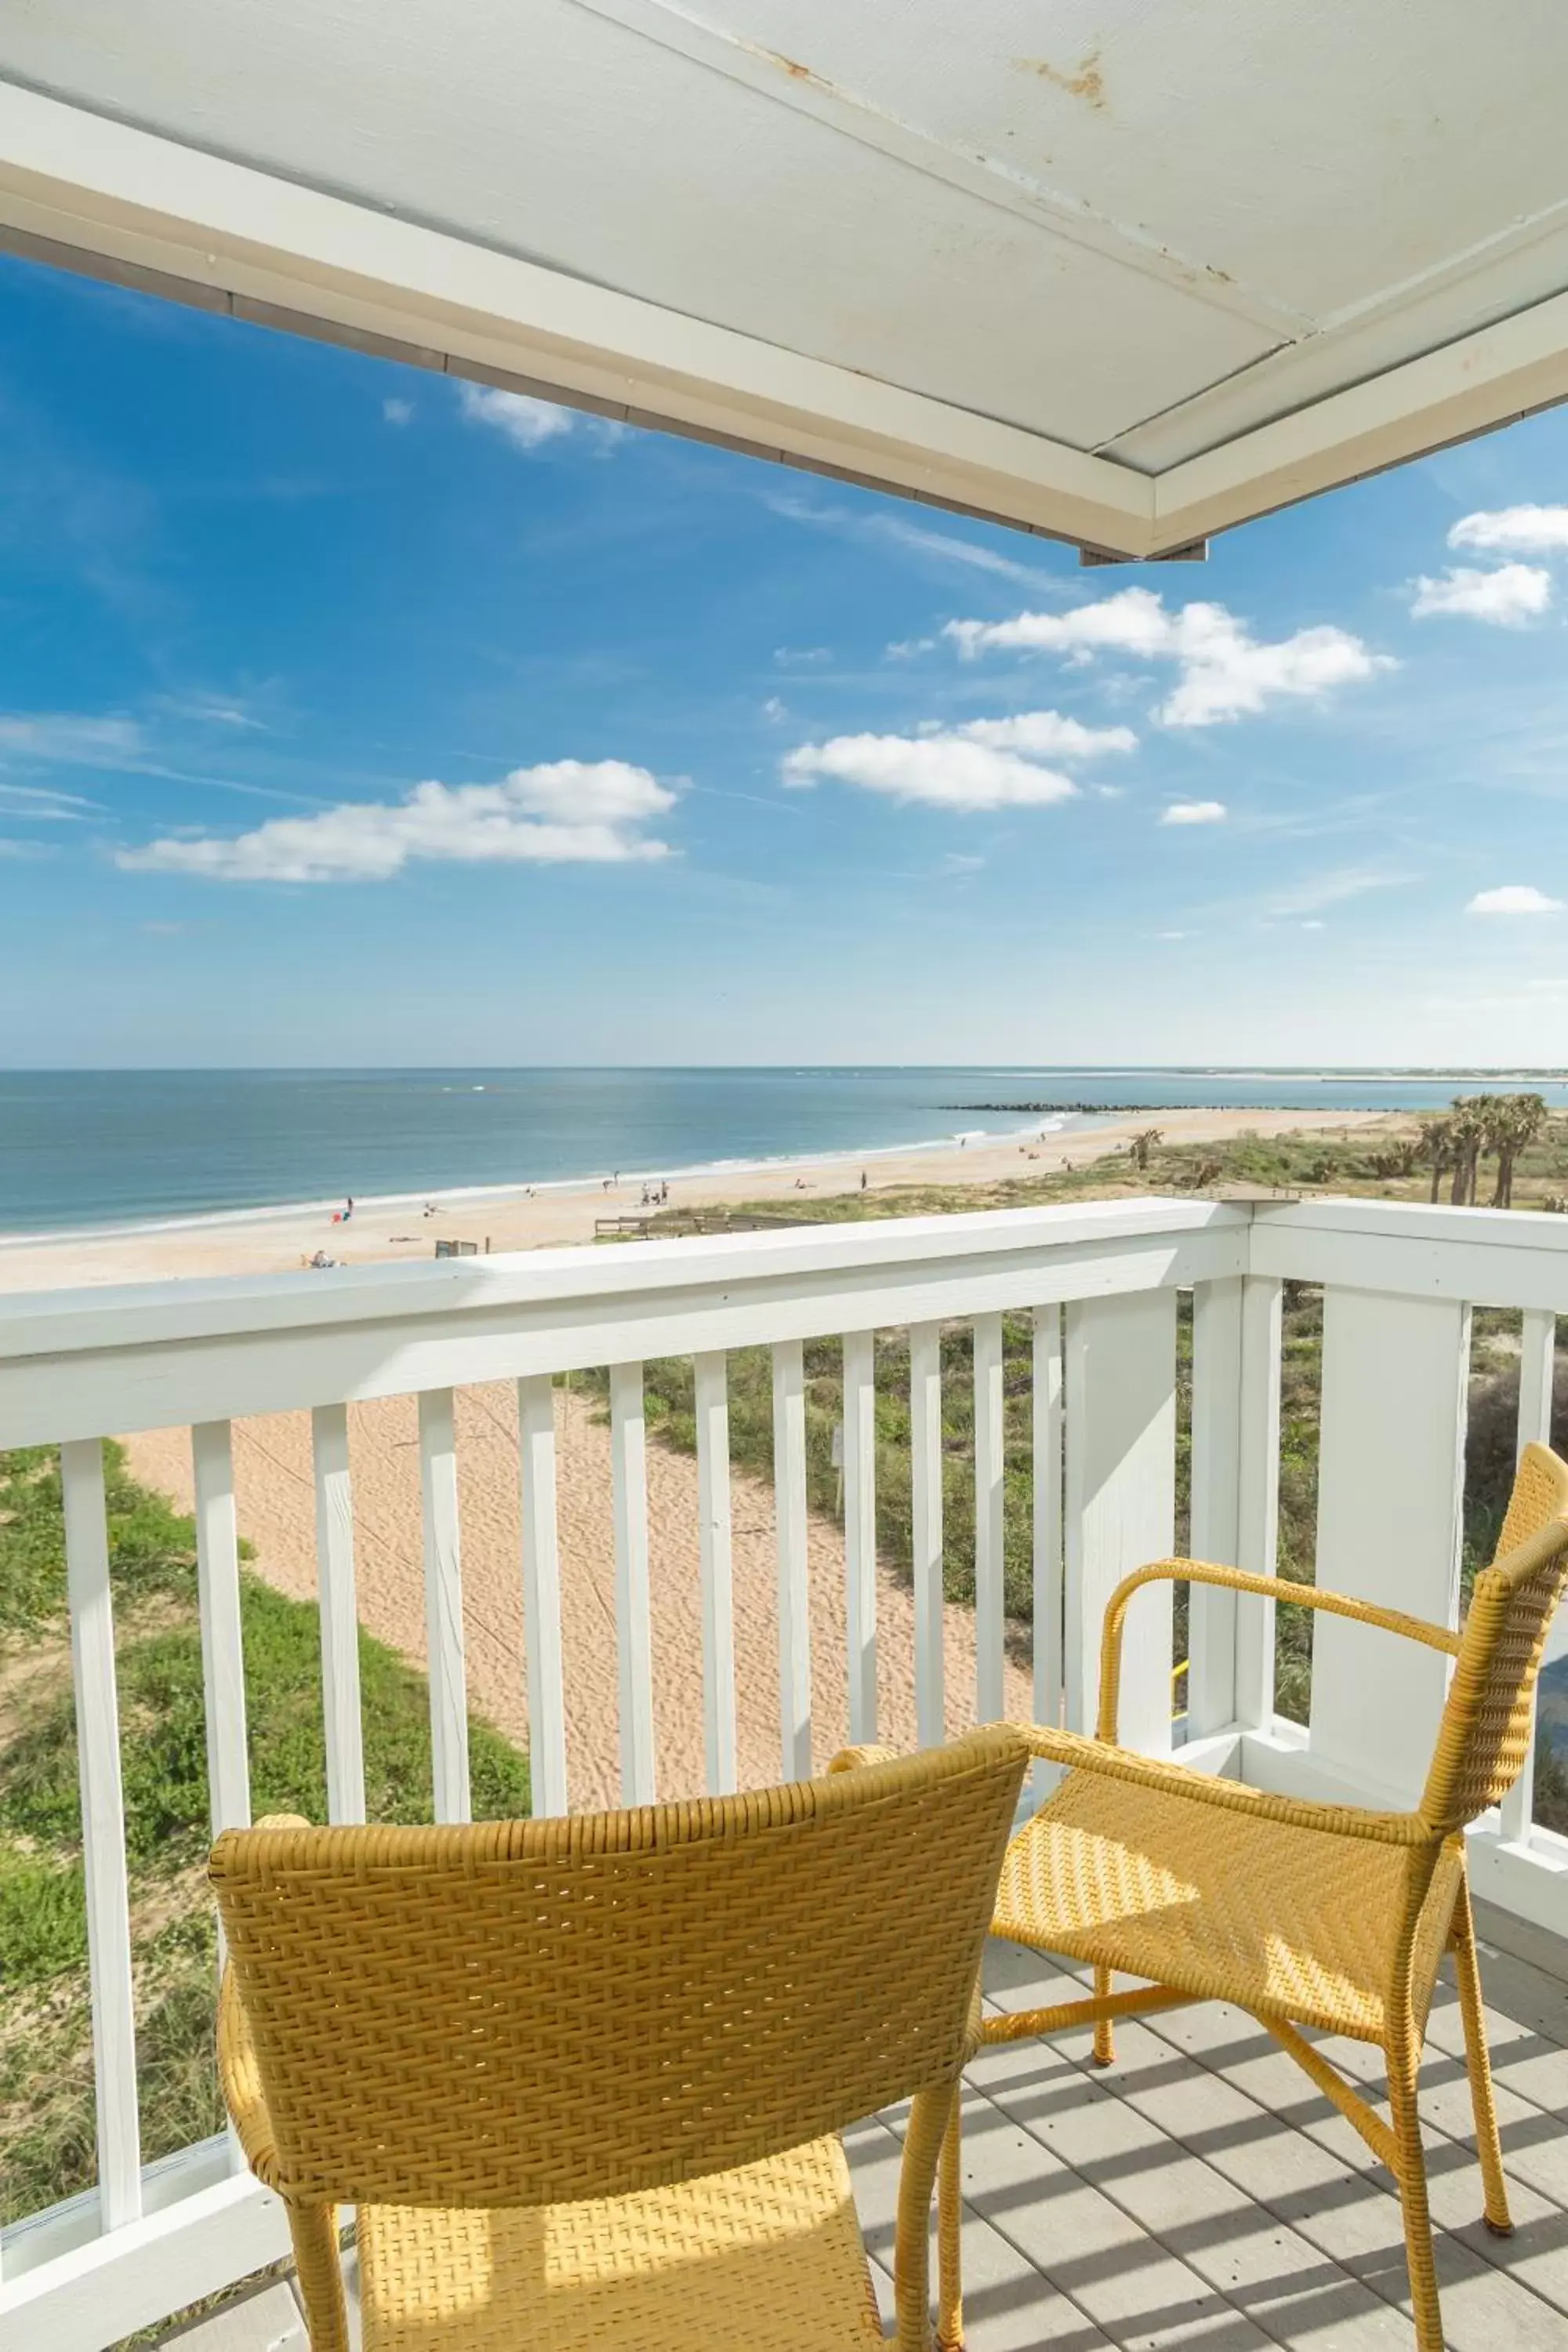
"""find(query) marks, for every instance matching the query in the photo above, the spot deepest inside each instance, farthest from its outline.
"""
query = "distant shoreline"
(463, 1197)
(563, 1212)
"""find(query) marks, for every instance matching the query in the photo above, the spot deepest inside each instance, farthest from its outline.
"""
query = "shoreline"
(475, 1196)
(564, 1211)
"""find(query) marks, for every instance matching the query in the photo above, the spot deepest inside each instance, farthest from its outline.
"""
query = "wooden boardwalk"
(1201, 2194)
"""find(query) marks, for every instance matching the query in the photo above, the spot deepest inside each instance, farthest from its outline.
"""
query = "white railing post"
(634, 1612)
(1121, 1503)
(1234, 1499)
(860, 1532)
(223, 1655)
(715, 1568)
(1047, 1531)
(106, 1883)
(990, 1628)
(925, 1490)
(444, 1605)
(338, 1610)
(1216, 1500)
(1390, 1492)
(1537, 1377)
(794, 1593)
(542, 1597)
(1257, 1503)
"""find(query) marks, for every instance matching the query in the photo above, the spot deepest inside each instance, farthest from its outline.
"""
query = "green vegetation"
(46, 2127)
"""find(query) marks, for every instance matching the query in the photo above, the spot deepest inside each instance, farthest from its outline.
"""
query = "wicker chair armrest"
(1240, 1579)
(1078, 1754)
(852, 1759)
(241, 2081)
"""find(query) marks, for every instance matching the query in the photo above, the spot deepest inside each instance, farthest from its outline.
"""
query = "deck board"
(1200, 2196)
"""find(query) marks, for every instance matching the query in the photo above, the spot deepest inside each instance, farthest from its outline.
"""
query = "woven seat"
(582, 2078)
(765, 2258)
(1306, 1915)
(1149, 1882)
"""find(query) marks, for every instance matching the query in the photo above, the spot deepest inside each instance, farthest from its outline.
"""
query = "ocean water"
(94, 1148)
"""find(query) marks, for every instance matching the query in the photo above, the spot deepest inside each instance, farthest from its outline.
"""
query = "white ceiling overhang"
(1124, 274)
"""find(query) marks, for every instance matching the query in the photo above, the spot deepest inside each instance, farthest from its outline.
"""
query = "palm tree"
(1142, 1144)
(1437, 1145)
(1466, 1138)
(1515, 1122)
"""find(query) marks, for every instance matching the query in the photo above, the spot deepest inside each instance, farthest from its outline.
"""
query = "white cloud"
(203, 709)
(566, 810)
(939, 770)
(774, 709)
(906, 648)
(1194, 812)
(1170, 935)
(397, 412)
(1224, 671)
(1315, 923)
(1514, 898)
(1333, 889)
(1048, 734)
(36, 804)
(800, 656)
(1512, 593)
(1520, 531)
(528, 424)
(66, 738)
(22, 849)
(960, 861)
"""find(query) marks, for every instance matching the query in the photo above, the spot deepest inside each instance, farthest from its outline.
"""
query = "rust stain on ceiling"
(1087, 82)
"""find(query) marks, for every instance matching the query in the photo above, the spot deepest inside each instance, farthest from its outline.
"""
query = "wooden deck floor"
(1201, 2194)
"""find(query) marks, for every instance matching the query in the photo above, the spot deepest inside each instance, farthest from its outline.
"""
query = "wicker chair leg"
(1477, 2062)
(948, 2253)
(1403, 2066)
(930, 2118)
(1104, 2032)
(318, 2264)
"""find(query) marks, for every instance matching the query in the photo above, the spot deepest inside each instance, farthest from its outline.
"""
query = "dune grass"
(46, 2125)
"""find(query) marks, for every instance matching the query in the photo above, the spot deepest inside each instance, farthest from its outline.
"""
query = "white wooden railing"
(1101, 1284)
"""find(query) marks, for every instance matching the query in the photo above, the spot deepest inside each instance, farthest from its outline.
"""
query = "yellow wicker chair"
(1306, 1915)
(583, 2078)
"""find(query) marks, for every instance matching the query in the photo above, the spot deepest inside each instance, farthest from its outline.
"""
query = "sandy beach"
(276, 1501)
(280, 1241)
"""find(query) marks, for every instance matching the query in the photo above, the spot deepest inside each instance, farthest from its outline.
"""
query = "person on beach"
(862, 1180)
(348, 1208)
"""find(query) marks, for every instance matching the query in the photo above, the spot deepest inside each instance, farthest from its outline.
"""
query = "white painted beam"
(144, 202)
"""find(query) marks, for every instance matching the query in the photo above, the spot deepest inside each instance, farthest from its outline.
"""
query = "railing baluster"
(795, 1595)
(1537, 1373)
(1047, 1529)
(444, 1605)
(989, 1627)
(1258, 1495)
(633, 1608)
(223, 1655)
(860, 1531)
(339, 1613)
(925, 1466)
(102, 1832)
(541, 1596)
(712, 1402)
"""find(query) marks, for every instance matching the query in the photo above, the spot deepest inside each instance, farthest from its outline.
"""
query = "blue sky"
(348, 715)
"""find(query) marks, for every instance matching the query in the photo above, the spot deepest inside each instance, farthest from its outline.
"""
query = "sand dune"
(272, 1466)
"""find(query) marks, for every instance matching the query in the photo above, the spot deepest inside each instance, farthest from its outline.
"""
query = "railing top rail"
(64, 1322)
(1508, 1229)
